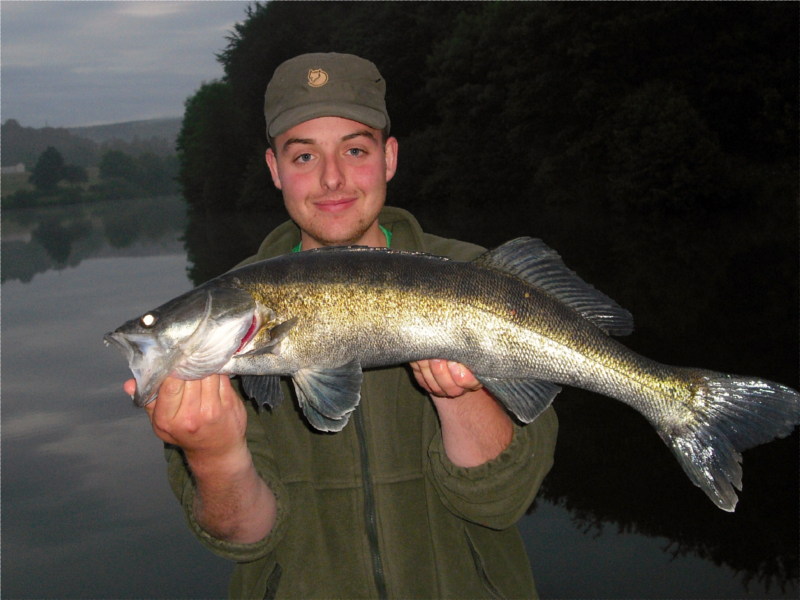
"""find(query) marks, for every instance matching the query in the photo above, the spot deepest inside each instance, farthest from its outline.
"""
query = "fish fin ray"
(736, 413)
(276, 336)
(535, 262)
(265, 389)
(328, 396)
(281, 330)
(525, 398)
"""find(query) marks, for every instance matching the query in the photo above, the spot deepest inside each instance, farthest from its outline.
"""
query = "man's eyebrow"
(364, 132)
(291, 141)
(310, 141)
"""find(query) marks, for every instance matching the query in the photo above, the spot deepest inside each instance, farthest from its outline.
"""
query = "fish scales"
(492, 322)
(428, 308)
(517, 317)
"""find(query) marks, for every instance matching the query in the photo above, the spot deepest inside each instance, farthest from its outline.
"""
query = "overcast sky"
(73, 62)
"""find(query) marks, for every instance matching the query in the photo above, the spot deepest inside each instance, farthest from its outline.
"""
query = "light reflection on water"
(85, 498)
(86, 508)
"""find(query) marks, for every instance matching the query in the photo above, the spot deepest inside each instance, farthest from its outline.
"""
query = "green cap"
(325, 85)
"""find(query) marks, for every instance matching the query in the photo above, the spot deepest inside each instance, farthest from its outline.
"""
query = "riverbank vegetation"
(118, 175)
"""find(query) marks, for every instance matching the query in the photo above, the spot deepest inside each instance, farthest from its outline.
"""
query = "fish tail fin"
(731, 414)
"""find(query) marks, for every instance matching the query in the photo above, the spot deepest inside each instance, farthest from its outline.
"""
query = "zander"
(517, 317)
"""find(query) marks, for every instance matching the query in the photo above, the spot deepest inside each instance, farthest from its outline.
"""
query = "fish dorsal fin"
(536, 263)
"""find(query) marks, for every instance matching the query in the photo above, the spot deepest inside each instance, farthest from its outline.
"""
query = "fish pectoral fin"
(525, 398)
(281, 330)
(276, 335)
(265, 389)
(328, 396)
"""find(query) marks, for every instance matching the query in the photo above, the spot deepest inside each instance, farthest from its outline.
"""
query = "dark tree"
(118, 165)
(75, 174)
(49, 170)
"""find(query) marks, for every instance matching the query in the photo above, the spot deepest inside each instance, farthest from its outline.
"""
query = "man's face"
(333, 174)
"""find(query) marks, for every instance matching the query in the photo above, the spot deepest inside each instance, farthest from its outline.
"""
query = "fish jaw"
(190, 337)
(148, 360)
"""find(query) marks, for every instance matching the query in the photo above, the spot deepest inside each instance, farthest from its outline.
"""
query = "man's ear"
(272, 163)
(390, 151)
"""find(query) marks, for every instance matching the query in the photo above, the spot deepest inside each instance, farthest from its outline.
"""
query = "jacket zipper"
(370, 515)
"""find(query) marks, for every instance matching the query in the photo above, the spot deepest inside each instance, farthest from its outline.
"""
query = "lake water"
(87, 513)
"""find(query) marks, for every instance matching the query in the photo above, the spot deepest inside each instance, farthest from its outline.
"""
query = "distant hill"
(166, 129)
(84, 146)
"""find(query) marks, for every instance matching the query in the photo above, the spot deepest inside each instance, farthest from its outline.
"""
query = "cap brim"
(299, 114)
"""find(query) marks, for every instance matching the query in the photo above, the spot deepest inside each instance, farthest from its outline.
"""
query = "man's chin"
(352, 237)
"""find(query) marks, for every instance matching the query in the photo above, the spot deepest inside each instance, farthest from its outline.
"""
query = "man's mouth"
(335, 204)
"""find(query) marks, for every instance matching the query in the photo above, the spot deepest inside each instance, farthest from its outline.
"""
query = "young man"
(418, 496)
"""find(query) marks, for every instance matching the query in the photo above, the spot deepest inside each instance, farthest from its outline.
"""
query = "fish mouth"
(150, 361)
(110, 340)
(140, 366)
(120, 342)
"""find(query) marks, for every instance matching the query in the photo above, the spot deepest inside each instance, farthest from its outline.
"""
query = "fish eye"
(148, 320)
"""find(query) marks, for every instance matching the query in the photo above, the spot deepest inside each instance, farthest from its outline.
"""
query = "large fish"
(517, 317)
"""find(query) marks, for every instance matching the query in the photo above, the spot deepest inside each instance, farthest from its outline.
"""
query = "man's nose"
(332, 174)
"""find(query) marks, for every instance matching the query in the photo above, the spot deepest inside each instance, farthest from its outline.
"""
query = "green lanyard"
(385, 231)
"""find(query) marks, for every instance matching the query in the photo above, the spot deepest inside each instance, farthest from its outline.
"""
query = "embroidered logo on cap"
(317, 77)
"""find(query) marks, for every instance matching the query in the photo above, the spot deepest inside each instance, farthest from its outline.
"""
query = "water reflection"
(610, 563)
(85, 495)
(86, 512)
(40, 239)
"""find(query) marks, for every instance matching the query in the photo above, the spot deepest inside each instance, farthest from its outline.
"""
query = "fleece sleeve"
(497, 493)
(180, 480)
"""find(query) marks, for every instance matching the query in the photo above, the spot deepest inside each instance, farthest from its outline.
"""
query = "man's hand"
(444, 379)
(208, 421)
(204, 417)
(475, 427)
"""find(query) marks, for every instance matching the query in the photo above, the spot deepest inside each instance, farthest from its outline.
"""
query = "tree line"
(661, 108)
(85, 146)
(120, 175)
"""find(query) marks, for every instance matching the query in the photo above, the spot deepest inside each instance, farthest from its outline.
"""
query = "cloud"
(76, 63)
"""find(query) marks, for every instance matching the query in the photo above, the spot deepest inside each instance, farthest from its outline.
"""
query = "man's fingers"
(438, 380)
(463, 377)
(171, 397)
(210, 398)
(227, 394)
(445, 378)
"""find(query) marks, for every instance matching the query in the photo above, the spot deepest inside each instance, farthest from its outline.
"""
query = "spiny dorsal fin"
(535, 262)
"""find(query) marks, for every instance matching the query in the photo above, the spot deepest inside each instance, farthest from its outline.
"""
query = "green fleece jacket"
(378, 510)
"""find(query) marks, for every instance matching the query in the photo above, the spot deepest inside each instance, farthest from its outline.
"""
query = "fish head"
(189, 337)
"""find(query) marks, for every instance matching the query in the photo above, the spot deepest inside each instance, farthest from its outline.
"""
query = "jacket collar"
(406, 233)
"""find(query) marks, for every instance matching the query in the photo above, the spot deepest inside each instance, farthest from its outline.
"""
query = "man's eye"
(356, 152)
(303, 158)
